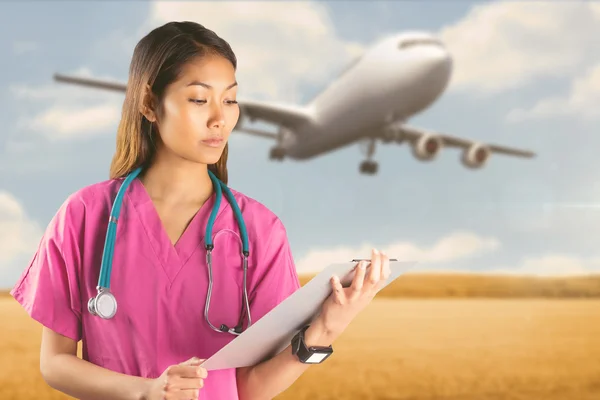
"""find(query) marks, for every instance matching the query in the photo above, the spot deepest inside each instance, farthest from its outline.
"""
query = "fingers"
(188, 394)
(193, 361)
(378, 274)
(182, 394)
(338, 290)
(184, 381)
(385, 271)
(180, 383)
(372, 278)
(358, 281)
(363, 282)
(186, 371)
(175, 394)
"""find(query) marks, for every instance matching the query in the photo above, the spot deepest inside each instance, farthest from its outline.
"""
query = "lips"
(213, 142)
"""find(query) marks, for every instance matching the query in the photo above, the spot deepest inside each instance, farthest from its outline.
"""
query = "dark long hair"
(157, 61)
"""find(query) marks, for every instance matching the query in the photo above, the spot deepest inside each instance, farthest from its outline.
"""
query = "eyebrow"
(206, 85)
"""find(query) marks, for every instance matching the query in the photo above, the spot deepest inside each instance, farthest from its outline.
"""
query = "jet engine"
(427, 147)
(475, 156)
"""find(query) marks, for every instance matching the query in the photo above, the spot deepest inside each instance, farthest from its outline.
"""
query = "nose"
(439, 63)
(217, 118)
(436, 66)
(217, 122)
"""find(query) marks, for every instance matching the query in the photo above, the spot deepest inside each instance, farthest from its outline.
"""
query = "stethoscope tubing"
(111, 233)
(109, 245)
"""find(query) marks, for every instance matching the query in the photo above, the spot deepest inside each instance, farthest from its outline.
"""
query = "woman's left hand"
(345, 304)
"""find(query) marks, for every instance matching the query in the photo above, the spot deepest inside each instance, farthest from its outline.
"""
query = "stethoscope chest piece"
(103, 305)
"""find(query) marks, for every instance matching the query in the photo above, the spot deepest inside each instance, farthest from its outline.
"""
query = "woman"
(179, 110)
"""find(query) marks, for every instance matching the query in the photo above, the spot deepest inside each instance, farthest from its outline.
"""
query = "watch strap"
(309, 355)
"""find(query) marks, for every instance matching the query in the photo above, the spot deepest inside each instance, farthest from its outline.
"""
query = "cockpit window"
(417, 42)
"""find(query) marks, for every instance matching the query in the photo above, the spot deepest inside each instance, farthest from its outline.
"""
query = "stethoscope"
(104, 304)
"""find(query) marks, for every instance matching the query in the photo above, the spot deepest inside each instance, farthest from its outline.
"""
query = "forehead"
(212, 69)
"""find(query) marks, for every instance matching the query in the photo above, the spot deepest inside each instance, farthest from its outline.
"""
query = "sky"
(525, 75)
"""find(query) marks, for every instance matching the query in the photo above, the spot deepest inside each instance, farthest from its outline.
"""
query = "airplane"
(370, 101)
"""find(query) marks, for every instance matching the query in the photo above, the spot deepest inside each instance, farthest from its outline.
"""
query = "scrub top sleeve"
(48, 289)
(278, 277)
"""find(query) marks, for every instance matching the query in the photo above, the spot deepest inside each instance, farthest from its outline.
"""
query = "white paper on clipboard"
(274, 331)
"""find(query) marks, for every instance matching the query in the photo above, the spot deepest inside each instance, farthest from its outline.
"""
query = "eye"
(197, 101)
(231, 102)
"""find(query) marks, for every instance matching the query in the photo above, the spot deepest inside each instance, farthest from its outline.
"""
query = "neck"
(177, 182)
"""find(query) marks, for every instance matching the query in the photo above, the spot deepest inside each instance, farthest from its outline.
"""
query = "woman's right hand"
(178, 382)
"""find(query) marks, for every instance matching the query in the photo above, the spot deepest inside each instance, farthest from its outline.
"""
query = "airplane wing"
(280, 114)
(413, 134)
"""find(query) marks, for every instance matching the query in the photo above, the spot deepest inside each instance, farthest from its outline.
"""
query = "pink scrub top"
(160, 288)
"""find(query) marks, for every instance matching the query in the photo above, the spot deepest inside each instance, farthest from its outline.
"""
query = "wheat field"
(472, 285)
(425, 337)
(417, 349)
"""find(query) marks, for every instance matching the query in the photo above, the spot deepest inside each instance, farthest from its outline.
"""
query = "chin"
(206, 157)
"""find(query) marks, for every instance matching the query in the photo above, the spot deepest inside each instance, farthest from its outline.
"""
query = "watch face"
(316, 358)
(317, 355)
(309, 355)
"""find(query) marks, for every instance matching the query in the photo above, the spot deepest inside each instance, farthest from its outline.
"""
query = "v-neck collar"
(171, 257)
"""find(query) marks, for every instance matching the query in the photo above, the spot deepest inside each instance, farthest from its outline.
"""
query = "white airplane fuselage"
(394, 80)
(373, 99)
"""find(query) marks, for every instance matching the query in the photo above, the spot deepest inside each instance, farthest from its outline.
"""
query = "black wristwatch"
(309, 355)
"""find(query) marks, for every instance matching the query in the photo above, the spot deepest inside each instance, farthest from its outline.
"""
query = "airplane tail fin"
(282, 114)
(90, 82)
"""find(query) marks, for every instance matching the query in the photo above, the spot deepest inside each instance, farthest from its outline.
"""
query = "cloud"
(456, 246)
(75, 112)
(19, 234)
(70, 122)
(504, 45)
(553, 265)
(581, 102)
(279, 46)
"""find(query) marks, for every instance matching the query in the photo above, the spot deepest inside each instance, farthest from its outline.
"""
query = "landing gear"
(276, 153)
(369, 167)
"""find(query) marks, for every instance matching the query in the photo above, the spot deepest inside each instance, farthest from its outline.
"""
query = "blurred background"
(503, 303)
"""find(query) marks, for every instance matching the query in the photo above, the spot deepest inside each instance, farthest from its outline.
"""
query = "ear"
(147, 105)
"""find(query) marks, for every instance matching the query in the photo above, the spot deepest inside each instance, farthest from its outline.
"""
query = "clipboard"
(272, 333)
